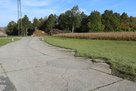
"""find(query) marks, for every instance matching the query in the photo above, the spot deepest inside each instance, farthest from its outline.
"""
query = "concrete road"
(32, 65)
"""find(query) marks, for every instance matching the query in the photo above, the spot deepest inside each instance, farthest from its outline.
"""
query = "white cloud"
(85, 11)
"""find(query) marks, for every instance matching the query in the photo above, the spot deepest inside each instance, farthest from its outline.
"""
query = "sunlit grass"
(5, 40)
(120, 54)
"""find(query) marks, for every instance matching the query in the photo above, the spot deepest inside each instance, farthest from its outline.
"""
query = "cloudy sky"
(42, 8)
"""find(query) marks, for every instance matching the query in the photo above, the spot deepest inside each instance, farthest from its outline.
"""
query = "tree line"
(75, 21)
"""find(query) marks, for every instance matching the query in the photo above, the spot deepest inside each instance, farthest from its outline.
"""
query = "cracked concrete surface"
(32, 65)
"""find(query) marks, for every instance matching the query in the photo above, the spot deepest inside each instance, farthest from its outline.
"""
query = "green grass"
(120, 54)
(5, 40)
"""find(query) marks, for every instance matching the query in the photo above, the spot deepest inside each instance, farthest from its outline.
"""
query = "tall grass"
(102, 35)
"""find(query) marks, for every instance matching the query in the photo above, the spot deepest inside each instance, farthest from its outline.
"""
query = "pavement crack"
(35, 49)
(67, 84)
(100, 71)
(106, 85)
(22, 69)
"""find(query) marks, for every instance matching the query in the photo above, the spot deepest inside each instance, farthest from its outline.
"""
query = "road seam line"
(106, 85)
(67, 84)
(22, 69)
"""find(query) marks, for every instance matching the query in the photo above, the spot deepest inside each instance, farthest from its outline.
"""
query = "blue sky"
(42, 8)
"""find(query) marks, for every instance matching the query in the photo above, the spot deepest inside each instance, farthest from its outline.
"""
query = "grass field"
(120, 54)
(5, 40)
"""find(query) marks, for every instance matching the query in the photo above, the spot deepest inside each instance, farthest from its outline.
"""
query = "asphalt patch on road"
(6, 84)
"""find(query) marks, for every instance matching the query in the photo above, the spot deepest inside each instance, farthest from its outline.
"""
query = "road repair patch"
(5, 83)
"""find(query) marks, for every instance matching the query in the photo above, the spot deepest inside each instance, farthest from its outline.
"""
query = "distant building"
(2, 33)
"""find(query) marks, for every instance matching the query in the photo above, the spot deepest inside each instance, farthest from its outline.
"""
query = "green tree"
(132, 23)
(42, 23)
(76, 18)
(94, 22)
(110, 20)
(116, 22)
(36, 23)
(124, 22)
(84, 22)
(26, 24)
(70, 20)
(64, 21)
(11, 28)
(50, 23)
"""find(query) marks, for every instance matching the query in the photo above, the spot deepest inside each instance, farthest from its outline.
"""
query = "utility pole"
(19, 11)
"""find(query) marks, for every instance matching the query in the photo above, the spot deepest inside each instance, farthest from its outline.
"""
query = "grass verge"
(120, 54)
(5, 40)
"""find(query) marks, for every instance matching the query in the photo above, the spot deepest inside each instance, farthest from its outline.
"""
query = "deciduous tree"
(124, 22)
(50, 23)
(11, 28)
(94, 22)
(26, 24)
